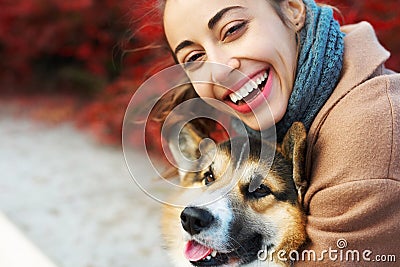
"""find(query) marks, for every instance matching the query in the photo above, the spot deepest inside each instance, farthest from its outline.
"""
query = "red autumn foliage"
(105, 50)
(59, 45)
(384, 17)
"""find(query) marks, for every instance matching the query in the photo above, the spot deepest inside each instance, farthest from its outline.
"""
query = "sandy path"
(74, 199)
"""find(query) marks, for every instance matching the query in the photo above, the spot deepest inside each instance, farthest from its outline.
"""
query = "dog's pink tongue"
(195, 251)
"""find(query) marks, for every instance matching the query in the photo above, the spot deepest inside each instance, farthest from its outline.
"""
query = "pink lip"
(258, 100)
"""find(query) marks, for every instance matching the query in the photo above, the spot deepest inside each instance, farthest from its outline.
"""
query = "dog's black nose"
(194, 220)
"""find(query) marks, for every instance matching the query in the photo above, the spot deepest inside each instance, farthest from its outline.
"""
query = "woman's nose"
(222, 68)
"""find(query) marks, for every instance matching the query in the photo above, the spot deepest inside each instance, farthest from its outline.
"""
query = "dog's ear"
(293, 149)
(185, 144)
(183, 140)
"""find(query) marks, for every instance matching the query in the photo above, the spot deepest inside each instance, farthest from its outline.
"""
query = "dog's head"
(246, 205)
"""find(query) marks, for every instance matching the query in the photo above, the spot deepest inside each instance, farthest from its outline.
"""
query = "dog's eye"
(208, 178)
(261, 191)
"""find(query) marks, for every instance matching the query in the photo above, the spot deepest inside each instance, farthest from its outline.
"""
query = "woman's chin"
(259, 125)
(260, 121)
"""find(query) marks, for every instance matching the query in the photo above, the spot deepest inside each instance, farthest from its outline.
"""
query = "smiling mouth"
(249, 90)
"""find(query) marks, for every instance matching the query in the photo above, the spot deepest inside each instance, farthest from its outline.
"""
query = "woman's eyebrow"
(182, 45)
(211, 24)
(217, 17)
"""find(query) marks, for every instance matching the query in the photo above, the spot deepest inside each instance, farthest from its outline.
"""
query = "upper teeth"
(212, 255)
(247, 88)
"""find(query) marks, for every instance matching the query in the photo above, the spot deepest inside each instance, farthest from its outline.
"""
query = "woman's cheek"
(201, 90)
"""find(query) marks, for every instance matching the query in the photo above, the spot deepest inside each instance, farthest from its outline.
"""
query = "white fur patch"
(217, 236)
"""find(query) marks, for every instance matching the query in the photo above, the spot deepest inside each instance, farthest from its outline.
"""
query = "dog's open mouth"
(200, 255)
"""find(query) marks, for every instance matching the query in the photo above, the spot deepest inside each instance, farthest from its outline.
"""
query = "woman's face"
(247, 36)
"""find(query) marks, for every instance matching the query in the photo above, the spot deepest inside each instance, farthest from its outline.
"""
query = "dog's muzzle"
(194, 221)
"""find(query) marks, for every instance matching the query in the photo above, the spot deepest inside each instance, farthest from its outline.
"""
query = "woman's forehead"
(196, 9)
(182, 16)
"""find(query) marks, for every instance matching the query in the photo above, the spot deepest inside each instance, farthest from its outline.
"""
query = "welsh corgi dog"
(247, 209)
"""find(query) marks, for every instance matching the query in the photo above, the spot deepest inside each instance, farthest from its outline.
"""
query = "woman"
(334, 81)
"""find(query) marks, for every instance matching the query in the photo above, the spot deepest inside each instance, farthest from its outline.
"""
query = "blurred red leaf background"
(82, 60)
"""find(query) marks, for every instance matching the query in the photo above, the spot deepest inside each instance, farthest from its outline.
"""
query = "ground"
(74, 198)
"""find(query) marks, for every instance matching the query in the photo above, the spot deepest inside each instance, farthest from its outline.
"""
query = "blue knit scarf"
(318, 68)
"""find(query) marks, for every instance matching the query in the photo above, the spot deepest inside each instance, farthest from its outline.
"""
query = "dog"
(246, 209)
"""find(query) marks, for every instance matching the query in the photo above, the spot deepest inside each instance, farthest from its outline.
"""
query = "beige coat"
(353, 161)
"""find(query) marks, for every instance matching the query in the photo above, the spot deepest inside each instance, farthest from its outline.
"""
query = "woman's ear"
(295, 11)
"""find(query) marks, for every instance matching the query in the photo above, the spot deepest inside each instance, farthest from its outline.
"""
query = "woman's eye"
(193, 61)
(261, 191)
(235, 28)
(194, 57)
(208, 178)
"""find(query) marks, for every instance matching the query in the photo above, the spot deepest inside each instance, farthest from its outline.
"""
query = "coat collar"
(363, 55)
